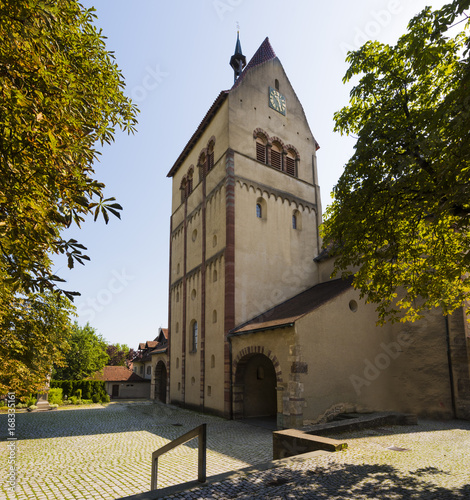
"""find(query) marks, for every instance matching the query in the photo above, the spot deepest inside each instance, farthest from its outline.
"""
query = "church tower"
(244, 224)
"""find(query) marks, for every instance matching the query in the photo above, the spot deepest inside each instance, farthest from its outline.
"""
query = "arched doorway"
(160, 382)
(255, 387)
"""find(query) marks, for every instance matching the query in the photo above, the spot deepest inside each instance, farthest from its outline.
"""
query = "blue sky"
(174, 57)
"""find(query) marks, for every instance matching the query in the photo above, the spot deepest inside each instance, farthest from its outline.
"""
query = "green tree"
(119, 354)
(400, 218)
(84, 355)
(61, 94)
(34, 332)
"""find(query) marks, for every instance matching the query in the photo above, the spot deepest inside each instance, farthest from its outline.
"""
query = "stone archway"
(255, 387)
(160, 382)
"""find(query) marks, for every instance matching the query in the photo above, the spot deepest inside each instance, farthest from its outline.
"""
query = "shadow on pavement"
(341, 482)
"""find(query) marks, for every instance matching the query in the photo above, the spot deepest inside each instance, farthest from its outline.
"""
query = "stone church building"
(256, 325)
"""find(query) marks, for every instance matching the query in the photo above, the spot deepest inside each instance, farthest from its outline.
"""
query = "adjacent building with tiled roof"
(121, 382)
(151, 361)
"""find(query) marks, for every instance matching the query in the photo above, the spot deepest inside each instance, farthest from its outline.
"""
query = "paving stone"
(104, 453)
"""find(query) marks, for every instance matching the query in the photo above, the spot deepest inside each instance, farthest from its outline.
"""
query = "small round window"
(353, 305)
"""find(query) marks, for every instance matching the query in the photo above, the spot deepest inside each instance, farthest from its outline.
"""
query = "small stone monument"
(43, 403)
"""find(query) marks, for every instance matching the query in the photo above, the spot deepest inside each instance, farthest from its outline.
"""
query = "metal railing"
(199, 432)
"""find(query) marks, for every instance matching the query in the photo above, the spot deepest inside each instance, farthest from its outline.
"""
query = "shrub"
(74, 400)
(78, 393)
(54, 405)
(105, 398)
(32, 407)
(87, 387)
(95, 398)
(19, 406)
(55, 396)
(31, 401)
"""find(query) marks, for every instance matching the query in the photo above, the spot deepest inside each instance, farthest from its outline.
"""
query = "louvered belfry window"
(290, 166)
(210, 161)
(210, 158)
(276, 157)
(260, 151)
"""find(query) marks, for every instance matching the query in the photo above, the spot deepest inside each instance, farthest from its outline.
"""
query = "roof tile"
(263, 54)
(288, 312)
(117, 374)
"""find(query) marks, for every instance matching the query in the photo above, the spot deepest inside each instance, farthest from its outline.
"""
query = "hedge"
(88, 388)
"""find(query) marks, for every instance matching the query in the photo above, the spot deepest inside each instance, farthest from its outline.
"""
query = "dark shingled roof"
(117, 374)
(288, 312)
(159, 350)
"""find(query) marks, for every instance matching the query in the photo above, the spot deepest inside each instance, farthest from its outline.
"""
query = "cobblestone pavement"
(105, 453)
(434, 463)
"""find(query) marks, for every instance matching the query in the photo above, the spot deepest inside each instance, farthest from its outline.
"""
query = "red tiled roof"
(263, 54)
(142, 345)
(151, 344)
(117, 374)
(288, 312)
(165, 332)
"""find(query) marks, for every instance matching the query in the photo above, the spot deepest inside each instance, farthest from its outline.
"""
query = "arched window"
(291, 163)
(296, 220)
(261, 208)
(276, 84)
(194, 336)
(214, 316)
(214, 275)
(201, 164)
(261, 149)
(276, 156)
(210, 157)
(189, 185)
(149, 370)
(183, 189)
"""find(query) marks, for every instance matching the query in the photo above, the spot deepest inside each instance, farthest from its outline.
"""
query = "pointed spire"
(238, 60)
(264, 53)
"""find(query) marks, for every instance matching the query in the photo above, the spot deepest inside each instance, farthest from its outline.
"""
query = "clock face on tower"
(277, 101)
